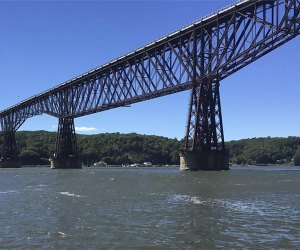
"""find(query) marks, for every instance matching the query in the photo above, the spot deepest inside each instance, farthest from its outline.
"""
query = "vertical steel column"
(9, 154)
(8, 157)
(204, 143)
(9, 150)
(205, 150)
(66, 153)
(66, 144)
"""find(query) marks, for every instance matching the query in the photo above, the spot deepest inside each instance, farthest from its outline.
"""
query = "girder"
(212, 48)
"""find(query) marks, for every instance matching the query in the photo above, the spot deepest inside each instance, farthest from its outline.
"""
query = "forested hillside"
(263, 150)
(128, 148)
(36, 148)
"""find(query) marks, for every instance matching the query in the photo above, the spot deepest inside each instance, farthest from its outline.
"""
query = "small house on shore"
(100, 164)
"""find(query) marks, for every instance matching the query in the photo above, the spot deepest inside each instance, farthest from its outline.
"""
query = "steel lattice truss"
(66, 145)
(194, 57)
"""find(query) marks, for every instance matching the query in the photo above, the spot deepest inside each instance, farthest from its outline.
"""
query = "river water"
(142, 208)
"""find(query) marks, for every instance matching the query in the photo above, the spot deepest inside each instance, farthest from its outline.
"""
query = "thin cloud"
(79, 129)
(85, 129)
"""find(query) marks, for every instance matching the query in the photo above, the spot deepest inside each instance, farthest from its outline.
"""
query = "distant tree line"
(260, 151)
(36, 147)
(128, 148)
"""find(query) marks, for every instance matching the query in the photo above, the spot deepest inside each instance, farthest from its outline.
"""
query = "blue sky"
(44, 43)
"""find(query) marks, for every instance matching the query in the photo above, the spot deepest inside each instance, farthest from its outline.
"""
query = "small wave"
(42, 233)
(72, 195)
(62, 234)
(286, 180)
(154, 194)
(8, 192)
(178, 198)
(237, 206)
(256, 207)
(36, 187)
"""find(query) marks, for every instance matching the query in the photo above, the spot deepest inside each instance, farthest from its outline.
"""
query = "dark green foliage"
(30, 157)
(297, 157)
(262, 151)
(128, 148)
(35, 147)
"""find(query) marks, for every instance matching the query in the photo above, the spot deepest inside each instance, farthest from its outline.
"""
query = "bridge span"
(197, 58)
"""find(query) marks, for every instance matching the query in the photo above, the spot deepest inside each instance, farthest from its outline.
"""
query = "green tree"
(29, 157)
(297, 157)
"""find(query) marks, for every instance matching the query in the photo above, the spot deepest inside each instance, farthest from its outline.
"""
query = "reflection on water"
(92, 208)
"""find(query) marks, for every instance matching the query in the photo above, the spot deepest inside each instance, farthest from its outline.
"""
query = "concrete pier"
(207, 160)
(65, 163)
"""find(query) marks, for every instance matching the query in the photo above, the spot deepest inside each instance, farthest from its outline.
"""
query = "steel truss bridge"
(194, 58)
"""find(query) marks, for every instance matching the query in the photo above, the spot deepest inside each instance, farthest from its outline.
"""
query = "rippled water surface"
(97, 208)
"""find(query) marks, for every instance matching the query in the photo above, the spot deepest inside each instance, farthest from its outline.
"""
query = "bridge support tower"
(66, 153)
(204, 147)
(8, 157)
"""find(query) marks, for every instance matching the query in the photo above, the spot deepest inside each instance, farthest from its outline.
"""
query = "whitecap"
(179, 198)
(196, 200)
(8, 192)
(237, 205)
(71, 195)
(62, 234)
(154, 194)
(38, 189)
(231, 205)
(241, 206)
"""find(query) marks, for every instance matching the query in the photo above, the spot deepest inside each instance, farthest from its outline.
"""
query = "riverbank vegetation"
(36, 147)
(263, 151)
